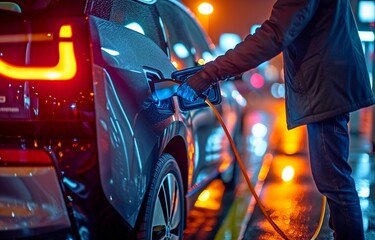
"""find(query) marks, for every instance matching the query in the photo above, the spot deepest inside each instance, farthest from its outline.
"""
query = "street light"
(206, 10)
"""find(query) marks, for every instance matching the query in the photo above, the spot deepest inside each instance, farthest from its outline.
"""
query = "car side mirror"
(213, 94)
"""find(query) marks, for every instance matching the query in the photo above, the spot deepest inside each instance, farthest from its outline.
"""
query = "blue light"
(135, 27)
(366, 11)
(180, 50)
(229, 41)
(254, 28)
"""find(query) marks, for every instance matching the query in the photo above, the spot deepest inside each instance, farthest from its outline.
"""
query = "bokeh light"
(287, 174)
(205, 8)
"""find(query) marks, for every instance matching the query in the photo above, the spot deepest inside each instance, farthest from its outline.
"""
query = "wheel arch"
(177, 148)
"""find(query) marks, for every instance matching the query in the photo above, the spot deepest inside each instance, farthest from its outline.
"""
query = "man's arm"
(288, 18)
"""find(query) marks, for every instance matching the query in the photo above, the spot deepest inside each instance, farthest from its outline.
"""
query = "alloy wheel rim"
(168, 210)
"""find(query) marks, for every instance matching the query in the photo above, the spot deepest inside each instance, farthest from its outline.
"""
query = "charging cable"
(167, 88)
(251, 187)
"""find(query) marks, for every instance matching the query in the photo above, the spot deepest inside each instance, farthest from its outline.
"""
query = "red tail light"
(17, 156)
(65, 69)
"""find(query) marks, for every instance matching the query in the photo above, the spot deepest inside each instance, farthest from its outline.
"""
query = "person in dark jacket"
(325, 78)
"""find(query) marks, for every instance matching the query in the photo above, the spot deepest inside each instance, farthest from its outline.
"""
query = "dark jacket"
(324, 64)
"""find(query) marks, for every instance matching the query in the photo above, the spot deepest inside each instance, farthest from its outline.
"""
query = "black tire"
(163, 216)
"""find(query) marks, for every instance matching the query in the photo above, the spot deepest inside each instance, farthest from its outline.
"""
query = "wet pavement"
(294, 204)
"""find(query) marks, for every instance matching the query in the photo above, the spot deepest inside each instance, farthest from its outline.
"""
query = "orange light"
(292, 140)
(204, 196)
(175, 64)
(66, 31)
(211, 197)
(263, 172)
(65, 69)
(205, 8)
(35, 37)
(201, 61)
(225, 164)
(287, 174)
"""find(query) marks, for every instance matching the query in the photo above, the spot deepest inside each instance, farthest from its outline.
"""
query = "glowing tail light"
(24, 156)
(65, 69)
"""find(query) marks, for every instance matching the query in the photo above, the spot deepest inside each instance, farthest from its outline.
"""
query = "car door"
(127, 46)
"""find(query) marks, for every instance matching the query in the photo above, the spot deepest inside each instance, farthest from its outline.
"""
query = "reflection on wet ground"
(205, 219)
(278, 166)
(295, 206)
(363, 172)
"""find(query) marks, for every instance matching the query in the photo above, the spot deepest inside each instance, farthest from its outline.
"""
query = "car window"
(179, 43)
(101, 9)
(186, 41)
(199, 41)
(139, 17)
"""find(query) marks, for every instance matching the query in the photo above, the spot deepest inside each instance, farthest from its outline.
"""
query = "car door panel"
(129, 125)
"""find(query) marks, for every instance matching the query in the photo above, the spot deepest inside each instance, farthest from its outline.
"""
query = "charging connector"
(164, 89)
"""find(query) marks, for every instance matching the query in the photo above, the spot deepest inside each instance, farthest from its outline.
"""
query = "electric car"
(88, 150)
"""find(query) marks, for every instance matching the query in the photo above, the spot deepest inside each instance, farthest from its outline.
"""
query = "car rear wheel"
(163, 216)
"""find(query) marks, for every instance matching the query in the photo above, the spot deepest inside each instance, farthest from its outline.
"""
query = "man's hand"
(187, 92)
(193, 87)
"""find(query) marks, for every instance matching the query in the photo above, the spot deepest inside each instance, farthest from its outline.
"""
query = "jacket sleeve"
(288, 18)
